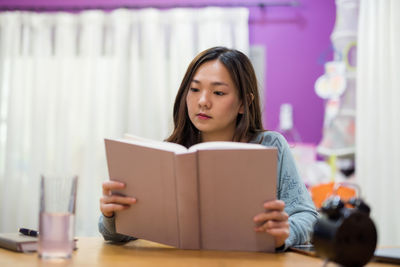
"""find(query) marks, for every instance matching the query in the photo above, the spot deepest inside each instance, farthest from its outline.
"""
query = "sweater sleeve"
(107, 229)
(291, 189)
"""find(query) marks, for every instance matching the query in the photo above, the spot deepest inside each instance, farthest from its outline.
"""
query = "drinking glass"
(56, 218)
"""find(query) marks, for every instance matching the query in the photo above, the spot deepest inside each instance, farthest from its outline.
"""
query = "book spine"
(187, 200)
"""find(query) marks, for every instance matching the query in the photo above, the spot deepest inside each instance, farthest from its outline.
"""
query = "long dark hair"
(244, 78)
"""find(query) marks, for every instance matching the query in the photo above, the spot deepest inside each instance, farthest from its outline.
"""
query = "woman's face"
(213, 102)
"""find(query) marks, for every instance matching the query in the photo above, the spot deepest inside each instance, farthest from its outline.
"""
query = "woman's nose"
(204, 100)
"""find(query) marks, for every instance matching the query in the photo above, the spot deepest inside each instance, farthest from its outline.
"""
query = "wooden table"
(93, 251)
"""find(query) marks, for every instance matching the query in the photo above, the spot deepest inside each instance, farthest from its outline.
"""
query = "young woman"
(218, 100)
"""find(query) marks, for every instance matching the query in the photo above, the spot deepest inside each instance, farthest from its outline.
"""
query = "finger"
(279, 232)
(273, 225)
(108, 209)
(117, 200)
(272, 215)
(111, 185)
(274, 205)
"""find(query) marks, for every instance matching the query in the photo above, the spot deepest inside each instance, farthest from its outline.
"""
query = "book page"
(225, 145)
(145, 142)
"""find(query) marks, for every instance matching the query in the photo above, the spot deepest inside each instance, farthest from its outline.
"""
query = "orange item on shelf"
(320, 192)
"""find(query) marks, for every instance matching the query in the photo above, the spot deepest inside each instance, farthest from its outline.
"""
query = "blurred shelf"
(340, 152)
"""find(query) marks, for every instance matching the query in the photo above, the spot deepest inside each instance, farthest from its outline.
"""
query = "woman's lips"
(203, 116)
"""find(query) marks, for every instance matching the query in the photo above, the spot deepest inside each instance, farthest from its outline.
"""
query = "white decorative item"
(338, 87)
(333, 83)
(286, 126)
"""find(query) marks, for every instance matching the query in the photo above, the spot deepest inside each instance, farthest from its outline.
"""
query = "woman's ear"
(250, 99)
(241, 109)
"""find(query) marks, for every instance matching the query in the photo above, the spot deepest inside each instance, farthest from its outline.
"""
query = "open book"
(204, 197)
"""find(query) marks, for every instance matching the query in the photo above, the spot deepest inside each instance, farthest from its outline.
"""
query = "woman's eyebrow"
(213, 83)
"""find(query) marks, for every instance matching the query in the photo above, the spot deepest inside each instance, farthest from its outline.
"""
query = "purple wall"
(296, 40)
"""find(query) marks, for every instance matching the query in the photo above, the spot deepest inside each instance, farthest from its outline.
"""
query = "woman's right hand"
(110, 203)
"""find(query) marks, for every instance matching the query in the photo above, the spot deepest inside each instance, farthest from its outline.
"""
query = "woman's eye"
(219, 93)
(194, 89)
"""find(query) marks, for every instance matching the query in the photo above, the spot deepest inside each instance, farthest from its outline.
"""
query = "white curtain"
(69, 80)
(378, 109)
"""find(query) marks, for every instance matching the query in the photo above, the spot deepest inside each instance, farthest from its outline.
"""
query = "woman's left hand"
(274, 221)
